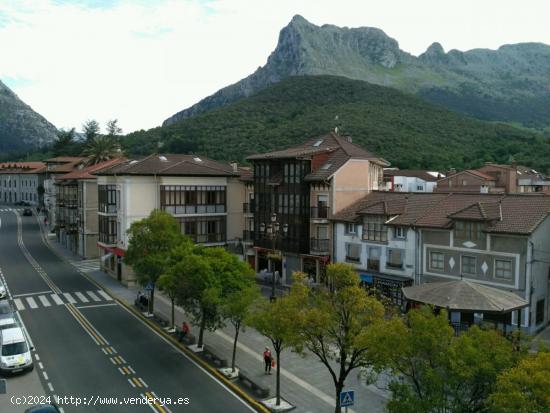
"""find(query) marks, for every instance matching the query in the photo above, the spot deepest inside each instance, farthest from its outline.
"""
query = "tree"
(335, 324)
(278, 322)
(524, 388)
(91, 129)
(101, 149)
(236, 308)
(151, 241)
(436, 372)
(112, 128)
(65, 145)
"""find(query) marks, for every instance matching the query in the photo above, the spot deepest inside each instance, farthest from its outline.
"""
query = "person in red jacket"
(267, 360)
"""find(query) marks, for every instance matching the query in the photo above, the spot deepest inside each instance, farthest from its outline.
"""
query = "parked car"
(27, 212)
(15, 353)
(6, 310)
(3, 290)
(9, 322)
(43, 408)
(25, 203)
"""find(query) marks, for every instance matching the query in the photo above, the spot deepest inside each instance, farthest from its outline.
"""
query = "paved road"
(88, 346)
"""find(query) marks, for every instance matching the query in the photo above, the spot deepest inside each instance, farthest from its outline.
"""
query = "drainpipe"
(528, 274)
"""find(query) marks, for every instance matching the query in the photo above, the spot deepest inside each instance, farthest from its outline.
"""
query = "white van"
(15, 354)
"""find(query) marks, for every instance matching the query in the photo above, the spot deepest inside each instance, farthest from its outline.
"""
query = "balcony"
(107, 239)
(249, 208)
(319, 246)
(248, 236)
(320, 213)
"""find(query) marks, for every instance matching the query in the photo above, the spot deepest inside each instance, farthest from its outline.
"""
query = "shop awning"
(119, 252)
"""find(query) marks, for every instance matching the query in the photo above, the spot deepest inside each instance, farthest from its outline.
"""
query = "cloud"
(142, 60)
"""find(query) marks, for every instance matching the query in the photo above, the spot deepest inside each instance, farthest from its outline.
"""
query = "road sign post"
(347, 398)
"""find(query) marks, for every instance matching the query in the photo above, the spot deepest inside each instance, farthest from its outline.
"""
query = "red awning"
(119, 252)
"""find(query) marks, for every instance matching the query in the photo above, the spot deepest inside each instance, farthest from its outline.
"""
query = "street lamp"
(273, 232)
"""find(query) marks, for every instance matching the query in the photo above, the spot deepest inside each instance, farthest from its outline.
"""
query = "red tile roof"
(87, 172)
(504, 213)
(21, 167)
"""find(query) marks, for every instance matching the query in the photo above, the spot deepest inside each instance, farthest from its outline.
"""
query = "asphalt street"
(89, 347)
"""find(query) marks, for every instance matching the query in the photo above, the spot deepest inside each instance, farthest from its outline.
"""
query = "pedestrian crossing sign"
(347, 398)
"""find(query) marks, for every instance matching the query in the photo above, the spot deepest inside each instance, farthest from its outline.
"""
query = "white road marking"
(96, 305)
(132, 383)
(40, 365)
(82, 297)
(19, 304)
(105, 351)
(28, 294)
(36, 356)
(131, 369)
(104, 295)
(31, 302)
(50, 386)
(44, 301)
(142, 382)
(45, 375)
(56, 299)
(122, 371)
(148, 404)
(164, 407)
(69, 298)
(93, 296)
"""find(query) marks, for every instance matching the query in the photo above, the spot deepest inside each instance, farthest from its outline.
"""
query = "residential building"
(500, 240)
(205, 196)
(20, 182)
(296, 191)
(410, 180)
(56, 167)
(77, 204)
(470, 180)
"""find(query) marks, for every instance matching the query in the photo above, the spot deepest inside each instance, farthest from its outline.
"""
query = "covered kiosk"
(469, 303)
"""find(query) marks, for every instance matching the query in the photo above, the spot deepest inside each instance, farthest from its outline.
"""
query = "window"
(373, 259)
(468, 230)
(204, 229)
(468, 265)
(540, 311)
(108, 198)
(503, 269)
(185, 199)
(419, 188)
(374, 229)
(395, 258)
(399, 232)
(351, 228)
(353, 252)
(437, 260)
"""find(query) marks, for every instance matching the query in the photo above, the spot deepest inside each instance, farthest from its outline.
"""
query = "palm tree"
(101, 149)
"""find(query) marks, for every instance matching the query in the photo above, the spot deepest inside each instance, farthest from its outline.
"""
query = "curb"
(214, 372)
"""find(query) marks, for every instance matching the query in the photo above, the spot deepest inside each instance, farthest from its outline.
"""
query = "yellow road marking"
(155, 402)
(137, 382)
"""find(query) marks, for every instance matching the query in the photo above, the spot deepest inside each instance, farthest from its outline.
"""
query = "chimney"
(235, 166)
(349, 139)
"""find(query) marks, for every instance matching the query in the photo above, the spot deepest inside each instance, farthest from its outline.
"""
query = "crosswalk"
(11, 209)
(49, 299)
(86, 265)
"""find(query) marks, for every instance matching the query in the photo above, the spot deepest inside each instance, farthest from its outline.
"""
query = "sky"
(141, 61)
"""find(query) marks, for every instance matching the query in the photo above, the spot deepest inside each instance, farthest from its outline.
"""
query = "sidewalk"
(305, 381)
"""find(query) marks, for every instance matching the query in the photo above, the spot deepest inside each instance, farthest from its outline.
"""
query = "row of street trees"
(346, 327)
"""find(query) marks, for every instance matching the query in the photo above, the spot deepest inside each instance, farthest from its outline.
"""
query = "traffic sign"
(347, 398)
(149, 287)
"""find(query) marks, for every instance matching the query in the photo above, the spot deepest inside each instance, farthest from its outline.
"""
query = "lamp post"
(274, 231)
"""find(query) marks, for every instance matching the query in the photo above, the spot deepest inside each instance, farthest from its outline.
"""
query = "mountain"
(509, 84)
(399, 127)
(21, 128)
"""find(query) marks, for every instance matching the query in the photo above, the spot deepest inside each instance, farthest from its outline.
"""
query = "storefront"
(389, 286)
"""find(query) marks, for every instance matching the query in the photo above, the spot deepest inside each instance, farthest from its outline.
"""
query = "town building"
(76, 209)
(206, 198)
(498, 240)
(296, 191)
(410, 180)
(21, 182)
(469, 180)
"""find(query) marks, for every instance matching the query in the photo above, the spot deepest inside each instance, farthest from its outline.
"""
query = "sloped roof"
(65, 159)
(21, 167)
(171, 165)
(504, 213)
(466, 296)
(411, 173)
(86, 173)
(474, 172)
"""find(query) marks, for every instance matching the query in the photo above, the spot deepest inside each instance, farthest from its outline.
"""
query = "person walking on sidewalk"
(184, 330)
(267, 360)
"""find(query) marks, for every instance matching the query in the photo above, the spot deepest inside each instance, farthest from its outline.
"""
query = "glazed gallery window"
(395, 258)
(184, 199)
(374, 229)
(468, 230)
(353, 252)
(468, 265)
(437, 261)
(503, 269)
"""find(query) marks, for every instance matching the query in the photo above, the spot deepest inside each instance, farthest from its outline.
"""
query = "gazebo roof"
(464, 295)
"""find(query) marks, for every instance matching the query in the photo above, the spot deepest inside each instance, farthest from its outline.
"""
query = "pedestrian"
(267, 360)
(184, 330)
(46, 221)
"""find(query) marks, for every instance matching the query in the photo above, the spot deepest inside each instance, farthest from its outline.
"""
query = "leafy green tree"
(278, 322)
(237, 307)
(91, 129)
(101, 149)
(524, 388)
(65, 145)
(151, 241)
(335, 324)
(113, 129)
(437, 372)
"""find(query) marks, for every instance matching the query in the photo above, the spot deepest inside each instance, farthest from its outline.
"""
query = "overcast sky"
(143, 60)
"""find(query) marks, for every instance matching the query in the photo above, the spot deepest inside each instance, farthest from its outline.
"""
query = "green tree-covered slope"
(404, 129)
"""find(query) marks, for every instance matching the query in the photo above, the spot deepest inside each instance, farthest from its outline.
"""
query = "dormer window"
(374, 228)
(468, 230)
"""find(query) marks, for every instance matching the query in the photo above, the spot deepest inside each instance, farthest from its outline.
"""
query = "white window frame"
(403, 231)
(442, 268)
(353, 226)
(511, 277)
